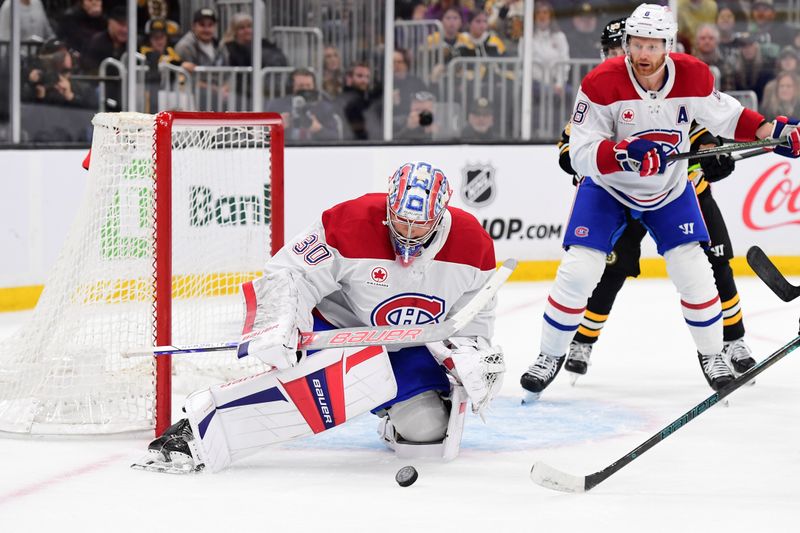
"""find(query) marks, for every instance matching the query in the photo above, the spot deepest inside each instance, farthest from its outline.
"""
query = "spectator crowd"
(751, 45)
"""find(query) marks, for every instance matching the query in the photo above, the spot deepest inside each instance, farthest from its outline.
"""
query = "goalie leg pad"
(236, 419)
(421, 418)
(446, 449)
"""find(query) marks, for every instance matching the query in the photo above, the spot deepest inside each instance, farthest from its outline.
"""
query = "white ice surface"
(731, 469)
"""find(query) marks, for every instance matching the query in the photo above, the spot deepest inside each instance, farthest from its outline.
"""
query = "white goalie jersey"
(611, 106)
(345, 269)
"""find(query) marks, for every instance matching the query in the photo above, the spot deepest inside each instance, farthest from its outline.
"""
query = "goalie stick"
(770, 275)
(553, 478)
(395, 336)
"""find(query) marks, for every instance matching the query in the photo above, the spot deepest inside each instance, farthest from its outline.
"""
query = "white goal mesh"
(62, 372)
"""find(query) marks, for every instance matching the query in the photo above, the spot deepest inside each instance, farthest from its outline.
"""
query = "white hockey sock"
(690, 271)
(578, 274)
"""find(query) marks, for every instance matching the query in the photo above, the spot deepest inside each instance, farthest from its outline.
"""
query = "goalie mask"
(418, 197)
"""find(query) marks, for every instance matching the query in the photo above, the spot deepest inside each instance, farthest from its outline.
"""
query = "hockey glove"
(640, 155)
(717, 167)
(787, 128)
(478, 366)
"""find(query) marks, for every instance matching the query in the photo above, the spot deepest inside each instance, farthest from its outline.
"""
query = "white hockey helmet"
(417, 199)
(652, 21)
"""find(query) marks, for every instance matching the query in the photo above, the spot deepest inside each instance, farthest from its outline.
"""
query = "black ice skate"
(738, 356)
(717, 373)
(172, 451)
(539, 375)
(577, 363)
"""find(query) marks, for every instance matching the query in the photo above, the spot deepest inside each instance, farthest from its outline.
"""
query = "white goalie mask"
(417, 199)
(651, 21)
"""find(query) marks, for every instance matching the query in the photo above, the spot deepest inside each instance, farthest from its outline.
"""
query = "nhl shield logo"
(479, 186)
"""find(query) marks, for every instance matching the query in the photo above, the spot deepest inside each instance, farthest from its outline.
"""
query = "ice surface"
(732, 469)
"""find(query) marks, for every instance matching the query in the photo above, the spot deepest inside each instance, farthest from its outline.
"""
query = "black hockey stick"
(727, 148)
(770, 275)
(753, 153)
(552, 478)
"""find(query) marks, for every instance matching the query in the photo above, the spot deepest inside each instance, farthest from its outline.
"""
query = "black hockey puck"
(406, 476)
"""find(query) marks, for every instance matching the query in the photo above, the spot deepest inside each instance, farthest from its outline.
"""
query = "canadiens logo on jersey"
(669, 140)
(408, 309)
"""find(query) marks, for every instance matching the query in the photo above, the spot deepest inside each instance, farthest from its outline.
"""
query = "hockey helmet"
(417, 199)
(611, 36)
(651, 21)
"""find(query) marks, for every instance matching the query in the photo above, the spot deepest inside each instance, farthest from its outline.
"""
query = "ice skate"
(577, 363)
(539, 375)
(716, 371)
(738, 356)
(171, 453)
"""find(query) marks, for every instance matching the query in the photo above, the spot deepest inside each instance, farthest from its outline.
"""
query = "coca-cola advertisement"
(761, 204)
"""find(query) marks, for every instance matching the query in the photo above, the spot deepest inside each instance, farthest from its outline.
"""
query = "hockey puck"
(406, 476)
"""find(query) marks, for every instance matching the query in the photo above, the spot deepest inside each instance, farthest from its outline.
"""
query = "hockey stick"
(769, 274)
(396, 336)
(748, 155)
(552, 478)
(727, 148)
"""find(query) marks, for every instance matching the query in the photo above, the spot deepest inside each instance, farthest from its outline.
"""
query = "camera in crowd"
(301, 118)
(302, 101)
(425, 115)
(425, 118)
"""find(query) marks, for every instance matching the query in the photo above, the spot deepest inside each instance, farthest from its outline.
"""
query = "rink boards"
(518, 193)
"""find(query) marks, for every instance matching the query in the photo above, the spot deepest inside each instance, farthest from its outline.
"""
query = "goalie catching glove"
(477, 365)
(274, 317)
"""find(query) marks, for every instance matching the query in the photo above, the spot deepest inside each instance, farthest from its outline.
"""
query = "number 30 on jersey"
(313, 252)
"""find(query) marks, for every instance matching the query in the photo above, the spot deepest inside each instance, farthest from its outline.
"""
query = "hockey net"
(180, 209)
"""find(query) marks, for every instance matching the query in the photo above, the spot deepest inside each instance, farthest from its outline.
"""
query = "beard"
(651, 69)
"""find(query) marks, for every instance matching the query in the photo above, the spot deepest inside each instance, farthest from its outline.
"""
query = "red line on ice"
(58, 478)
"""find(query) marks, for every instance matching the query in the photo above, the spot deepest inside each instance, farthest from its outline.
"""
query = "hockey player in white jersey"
(401, 258)
(630, 113)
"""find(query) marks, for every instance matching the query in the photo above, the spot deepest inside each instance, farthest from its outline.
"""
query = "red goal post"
(163, 232)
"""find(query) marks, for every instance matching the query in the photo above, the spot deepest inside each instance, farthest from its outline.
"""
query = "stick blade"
(554, 479)
(765, 269)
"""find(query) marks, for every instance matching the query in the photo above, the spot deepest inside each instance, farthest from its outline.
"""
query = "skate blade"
(530, 397)
(155, 463)
(573, 377)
